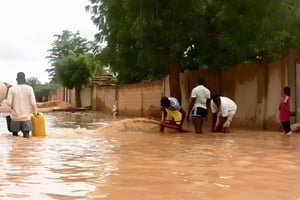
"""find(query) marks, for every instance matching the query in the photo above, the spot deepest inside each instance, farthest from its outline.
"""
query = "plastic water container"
(38, 125)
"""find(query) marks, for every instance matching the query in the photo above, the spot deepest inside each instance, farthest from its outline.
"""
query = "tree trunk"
(77, 97)
(174, 77)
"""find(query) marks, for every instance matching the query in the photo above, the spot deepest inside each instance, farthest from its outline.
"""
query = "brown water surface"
(81, 158)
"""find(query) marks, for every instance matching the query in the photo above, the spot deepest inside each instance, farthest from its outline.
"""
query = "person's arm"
(293, 114)
(191, 105)
(33, 102)
(163, 118)
(163, 114)
(285, 106)
(207, 107)
(214, 121)
(183, 114)
(214, 111)
(222, 120)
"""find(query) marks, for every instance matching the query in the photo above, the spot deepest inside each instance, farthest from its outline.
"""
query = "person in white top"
(199, 104)
(21, 99)
(223, 110)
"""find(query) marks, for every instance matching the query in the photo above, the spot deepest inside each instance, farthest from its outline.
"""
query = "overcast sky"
(27, 29)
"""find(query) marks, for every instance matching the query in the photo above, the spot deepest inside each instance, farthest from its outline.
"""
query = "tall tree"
(74, 71)
(151, 38)
(72, 63)
(65, 44)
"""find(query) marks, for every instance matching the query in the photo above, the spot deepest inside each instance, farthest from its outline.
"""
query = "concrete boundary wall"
(256, 87)
(141, 99)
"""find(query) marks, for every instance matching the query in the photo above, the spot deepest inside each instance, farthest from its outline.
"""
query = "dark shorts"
(24, 126)
(286, 125)
(199, 112)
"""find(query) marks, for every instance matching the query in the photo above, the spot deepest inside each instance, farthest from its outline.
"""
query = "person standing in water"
(21, 99)
(199, 104)
(284, 111)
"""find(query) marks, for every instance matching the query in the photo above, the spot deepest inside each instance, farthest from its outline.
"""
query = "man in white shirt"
(22, 101)
(223, 110)
(200, 98)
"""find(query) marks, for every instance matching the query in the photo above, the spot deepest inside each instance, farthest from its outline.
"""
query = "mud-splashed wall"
(256, 87)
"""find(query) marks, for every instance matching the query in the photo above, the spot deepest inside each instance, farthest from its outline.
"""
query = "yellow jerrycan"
(38, 125)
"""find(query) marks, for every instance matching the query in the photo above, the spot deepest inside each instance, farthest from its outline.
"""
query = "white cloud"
(27, 30)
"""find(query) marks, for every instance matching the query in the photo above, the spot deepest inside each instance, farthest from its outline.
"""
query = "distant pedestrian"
(223, 110)
(199, 104)
(172, 112)
(284, 111)
(115, 110)
(22, 101)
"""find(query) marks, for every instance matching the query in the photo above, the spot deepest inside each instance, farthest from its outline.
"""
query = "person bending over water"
(223, 109)
(172, 112)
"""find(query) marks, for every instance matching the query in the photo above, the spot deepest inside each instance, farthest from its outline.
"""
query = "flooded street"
(83, 158)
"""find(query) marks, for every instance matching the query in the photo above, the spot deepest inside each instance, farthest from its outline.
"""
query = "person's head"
(21, 77)
(287, 91)
(201, 81)
(164, 102)
(216, 99)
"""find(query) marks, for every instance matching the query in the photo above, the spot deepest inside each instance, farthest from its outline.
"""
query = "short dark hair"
(215, 96)
(201, 80)
(164, 102)
(21, 77)
(286, 89)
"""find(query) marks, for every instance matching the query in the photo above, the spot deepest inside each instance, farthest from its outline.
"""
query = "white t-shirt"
(174, 104)
(227, 106)
(201, 93)
(22, 101)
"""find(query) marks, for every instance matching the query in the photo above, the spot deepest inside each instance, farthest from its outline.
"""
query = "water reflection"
(124, 160)
(90, 121)
(57, 166)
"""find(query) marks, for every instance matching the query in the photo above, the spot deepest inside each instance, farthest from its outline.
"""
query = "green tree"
(41, 90)
(239, 30)
(151, 38)
(75, 71)
(72, 63)
(64, 44)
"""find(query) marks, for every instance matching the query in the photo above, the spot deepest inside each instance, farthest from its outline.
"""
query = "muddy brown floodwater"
(83, 158)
